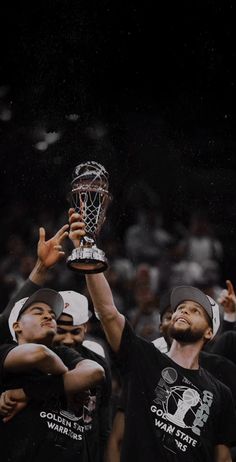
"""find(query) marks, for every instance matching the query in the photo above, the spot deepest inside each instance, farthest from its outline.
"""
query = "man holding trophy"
(159, 385)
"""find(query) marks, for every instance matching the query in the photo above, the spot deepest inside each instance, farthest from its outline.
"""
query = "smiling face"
(190, 323)
(67, 334)
(37, 324)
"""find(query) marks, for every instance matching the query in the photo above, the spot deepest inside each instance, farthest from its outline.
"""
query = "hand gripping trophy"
(90, 198)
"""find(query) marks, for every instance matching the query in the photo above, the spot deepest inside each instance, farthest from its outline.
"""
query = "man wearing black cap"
(221, 367)
(48, 427)
(175, 410)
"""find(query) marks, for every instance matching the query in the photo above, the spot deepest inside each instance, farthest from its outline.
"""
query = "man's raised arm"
(112, 321)
(48, 254)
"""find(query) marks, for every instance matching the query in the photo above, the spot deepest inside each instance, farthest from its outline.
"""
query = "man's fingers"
(3, 411)
(61, 253)
(62, 233)
(57, 247)
(63, 236)
(18, 408)
(78, 234)
(230, 287)
(6, 399)
(77, 226)
(42, 234)
(5, 408)
(75, 217)
(222, 295)
(226, 300)
(71, 211)
(7, 404)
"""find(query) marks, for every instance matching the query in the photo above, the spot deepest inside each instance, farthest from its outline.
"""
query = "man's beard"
(185, 336)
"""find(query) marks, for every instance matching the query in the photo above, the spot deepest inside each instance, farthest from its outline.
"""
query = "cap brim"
(182, 293)
(48, 296)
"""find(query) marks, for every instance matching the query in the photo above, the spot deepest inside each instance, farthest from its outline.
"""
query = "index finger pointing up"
(230, 287)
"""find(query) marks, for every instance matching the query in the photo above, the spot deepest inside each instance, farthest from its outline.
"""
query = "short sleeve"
(4, 350)
(127, 348)
(68, 355)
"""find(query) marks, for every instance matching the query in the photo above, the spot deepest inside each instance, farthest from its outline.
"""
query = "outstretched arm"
(112, 321)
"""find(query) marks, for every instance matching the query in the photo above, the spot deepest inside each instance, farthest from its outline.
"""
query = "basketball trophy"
(90, 198)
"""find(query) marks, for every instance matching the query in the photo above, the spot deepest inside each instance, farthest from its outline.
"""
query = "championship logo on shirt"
(180, 411)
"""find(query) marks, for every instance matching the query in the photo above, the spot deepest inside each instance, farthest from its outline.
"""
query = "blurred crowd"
(143, 263)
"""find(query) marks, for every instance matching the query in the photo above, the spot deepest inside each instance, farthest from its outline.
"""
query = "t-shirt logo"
(169, 374)
(179, 406)
(185, 400)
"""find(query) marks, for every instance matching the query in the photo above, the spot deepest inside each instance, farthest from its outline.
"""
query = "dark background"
(146, 89)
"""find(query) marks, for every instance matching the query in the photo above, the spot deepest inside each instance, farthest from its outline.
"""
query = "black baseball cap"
(49, 296)
(182, 293)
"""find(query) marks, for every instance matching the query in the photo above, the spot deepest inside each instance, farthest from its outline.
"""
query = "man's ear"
(208, 333)
(17, 328)
(160, 327)
(85, 328)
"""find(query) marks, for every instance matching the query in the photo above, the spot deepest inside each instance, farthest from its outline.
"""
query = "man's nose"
(47, 315)
(184, 309)
(68, 339)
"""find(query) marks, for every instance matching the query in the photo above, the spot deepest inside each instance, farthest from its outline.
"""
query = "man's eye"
(179, 307)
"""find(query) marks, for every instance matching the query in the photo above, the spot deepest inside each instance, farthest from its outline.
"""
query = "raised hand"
(76, 227)
(50, 252)
(227, 298)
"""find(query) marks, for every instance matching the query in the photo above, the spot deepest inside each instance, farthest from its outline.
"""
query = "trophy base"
(87, 260)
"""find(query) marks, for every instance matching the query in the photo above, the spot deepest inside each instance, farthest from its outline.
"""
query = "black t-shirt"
(222, 368)
(46, 429)
(97, 411)
(172, 414)
(225, 345)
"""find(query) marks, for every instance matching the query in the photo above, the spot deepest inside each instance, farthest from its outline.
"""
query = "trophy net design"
(90, 198)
